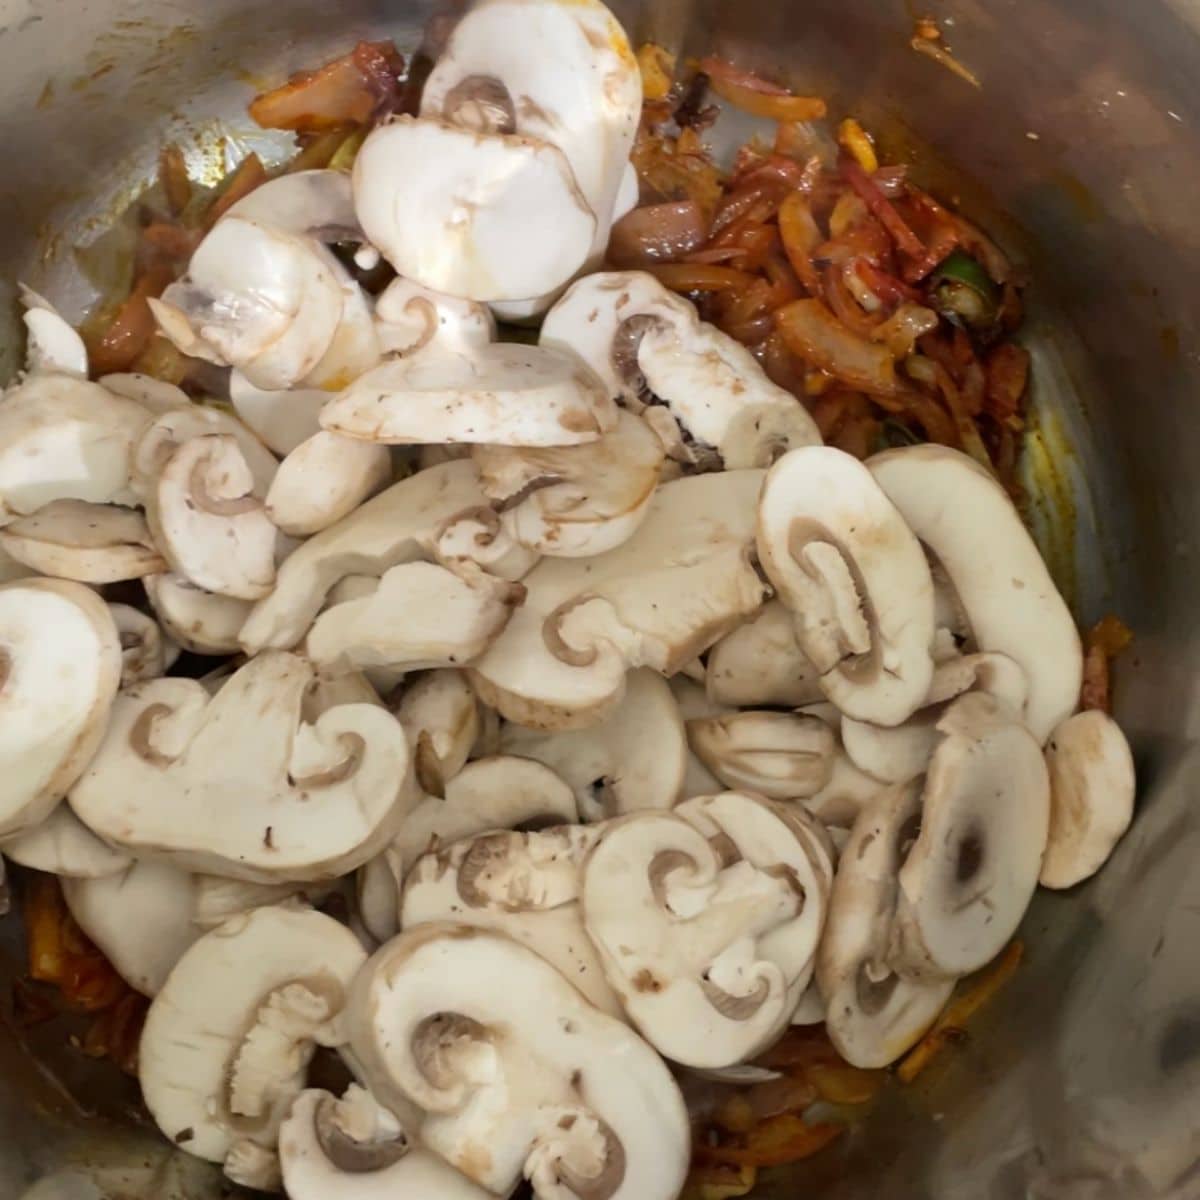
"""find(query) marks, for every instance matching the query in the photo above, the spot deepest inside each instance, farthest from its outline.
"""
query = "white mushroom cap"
(239, 784)
(146, 652)
(761, 664)
(52, 345)
(140, 917)
(90, 543)
(65, 439)
(228, 1038)
(855, 578)
(324, 479)
(411, 318)
(282, 419)
(440, 715)
(644, 342)
(401, 524)
(1092, 789)
(199, 621)
(420, 616)
(1009, 599)
(483, 216)
(325, 1151)
(969, 876)
(527, 1077)
(707, 926)
(572, 501)
(782, 756)
(658, 600)
(60, 665)
(634, 758)
(63, 845)
(210, 523)
(524, 885)
(872, 1014)
(504, 393)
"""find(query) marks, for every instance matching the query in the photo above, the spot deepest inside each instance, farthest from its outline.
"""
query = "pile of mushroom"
(580, 689)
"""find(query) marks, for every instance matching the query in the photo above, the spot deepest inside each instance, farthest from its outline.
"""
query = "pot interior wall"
(1083, 1079)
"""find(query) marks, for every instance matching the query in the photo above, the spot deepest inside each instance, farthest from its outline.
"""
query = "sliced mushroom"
(783, 756)
(146, 652)
(90, 543)
(1009, 599)
(216, 899)
(140, 917)
(354, 1149)
(62, 438)
(524, 885)
(440, 714)
(760, 664)
(855, 578)
(1092, 789)
(411, 319)
(970, 874)
(239, 784)
(403, 523)
(633, 759)
(283, 420)
(421, 616)
(52, 346)
(705, 393)
(63, 845)
(229, 1037)
(503, 393)
(201, 622)
(849, 790)
(707, 922)
(55, 692)
(569, 1096)
(872, 1014)
(317, 204)
(573, 501)
(323, 480)
(658, 600)
(482, 216)
(11, 570)
(156, 396)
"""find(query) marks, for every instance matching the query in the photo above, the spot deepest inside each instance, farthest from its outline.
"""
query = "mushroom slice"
(524, 885)
(55, 692)
(283, 420)
(156, 396)
(707, 921)
(572, 501)
(52, 347)
(1091, 797)
(760, 664)
(403, 523)
(210, 524)
(482, 216)
(140, 917)
(971, 872)
(201, 622)
(440, 715)
(525, 1078)
(849, 790)
(63, 845)
(323, 480)
(356, 1150)
(420, 616)
(11, 570)
(229, 1037)
(782, 756)
(146, 652)
(634, 758)
(63, 438)
(90, 543)
(715, 404)
(318, 204)
(872, 1014)
(411, 319)
(1009, 599)
(239, 784)
(504, 393)
(855, 578)
(657, 600)
(216, 899)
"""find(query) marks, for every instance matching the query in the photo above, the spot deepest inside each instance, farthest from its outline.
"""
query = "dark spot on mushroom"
(646, 981)
(184, 1135)
(268, 840)
(873, 995)
(567, 1122)
(970, 857)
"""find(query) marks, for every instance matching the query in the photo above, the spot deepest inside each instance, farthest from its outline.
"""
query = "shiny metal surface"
(1082, 1082)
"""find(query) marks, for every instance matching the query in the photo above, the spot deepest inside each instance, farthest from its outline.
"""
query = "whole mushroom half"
(707, 922)
(703, 392)
(855, 578)
(240, 784)
(527, 1078)
(229, 1037)
(55, 692)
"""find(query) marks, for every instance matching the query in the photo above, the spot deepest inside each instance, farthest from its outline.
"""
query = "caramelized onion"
(656, 233)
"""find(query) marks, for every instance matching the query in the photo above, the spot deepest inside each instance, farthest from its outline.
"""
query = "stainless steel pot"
(1083, 1080)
